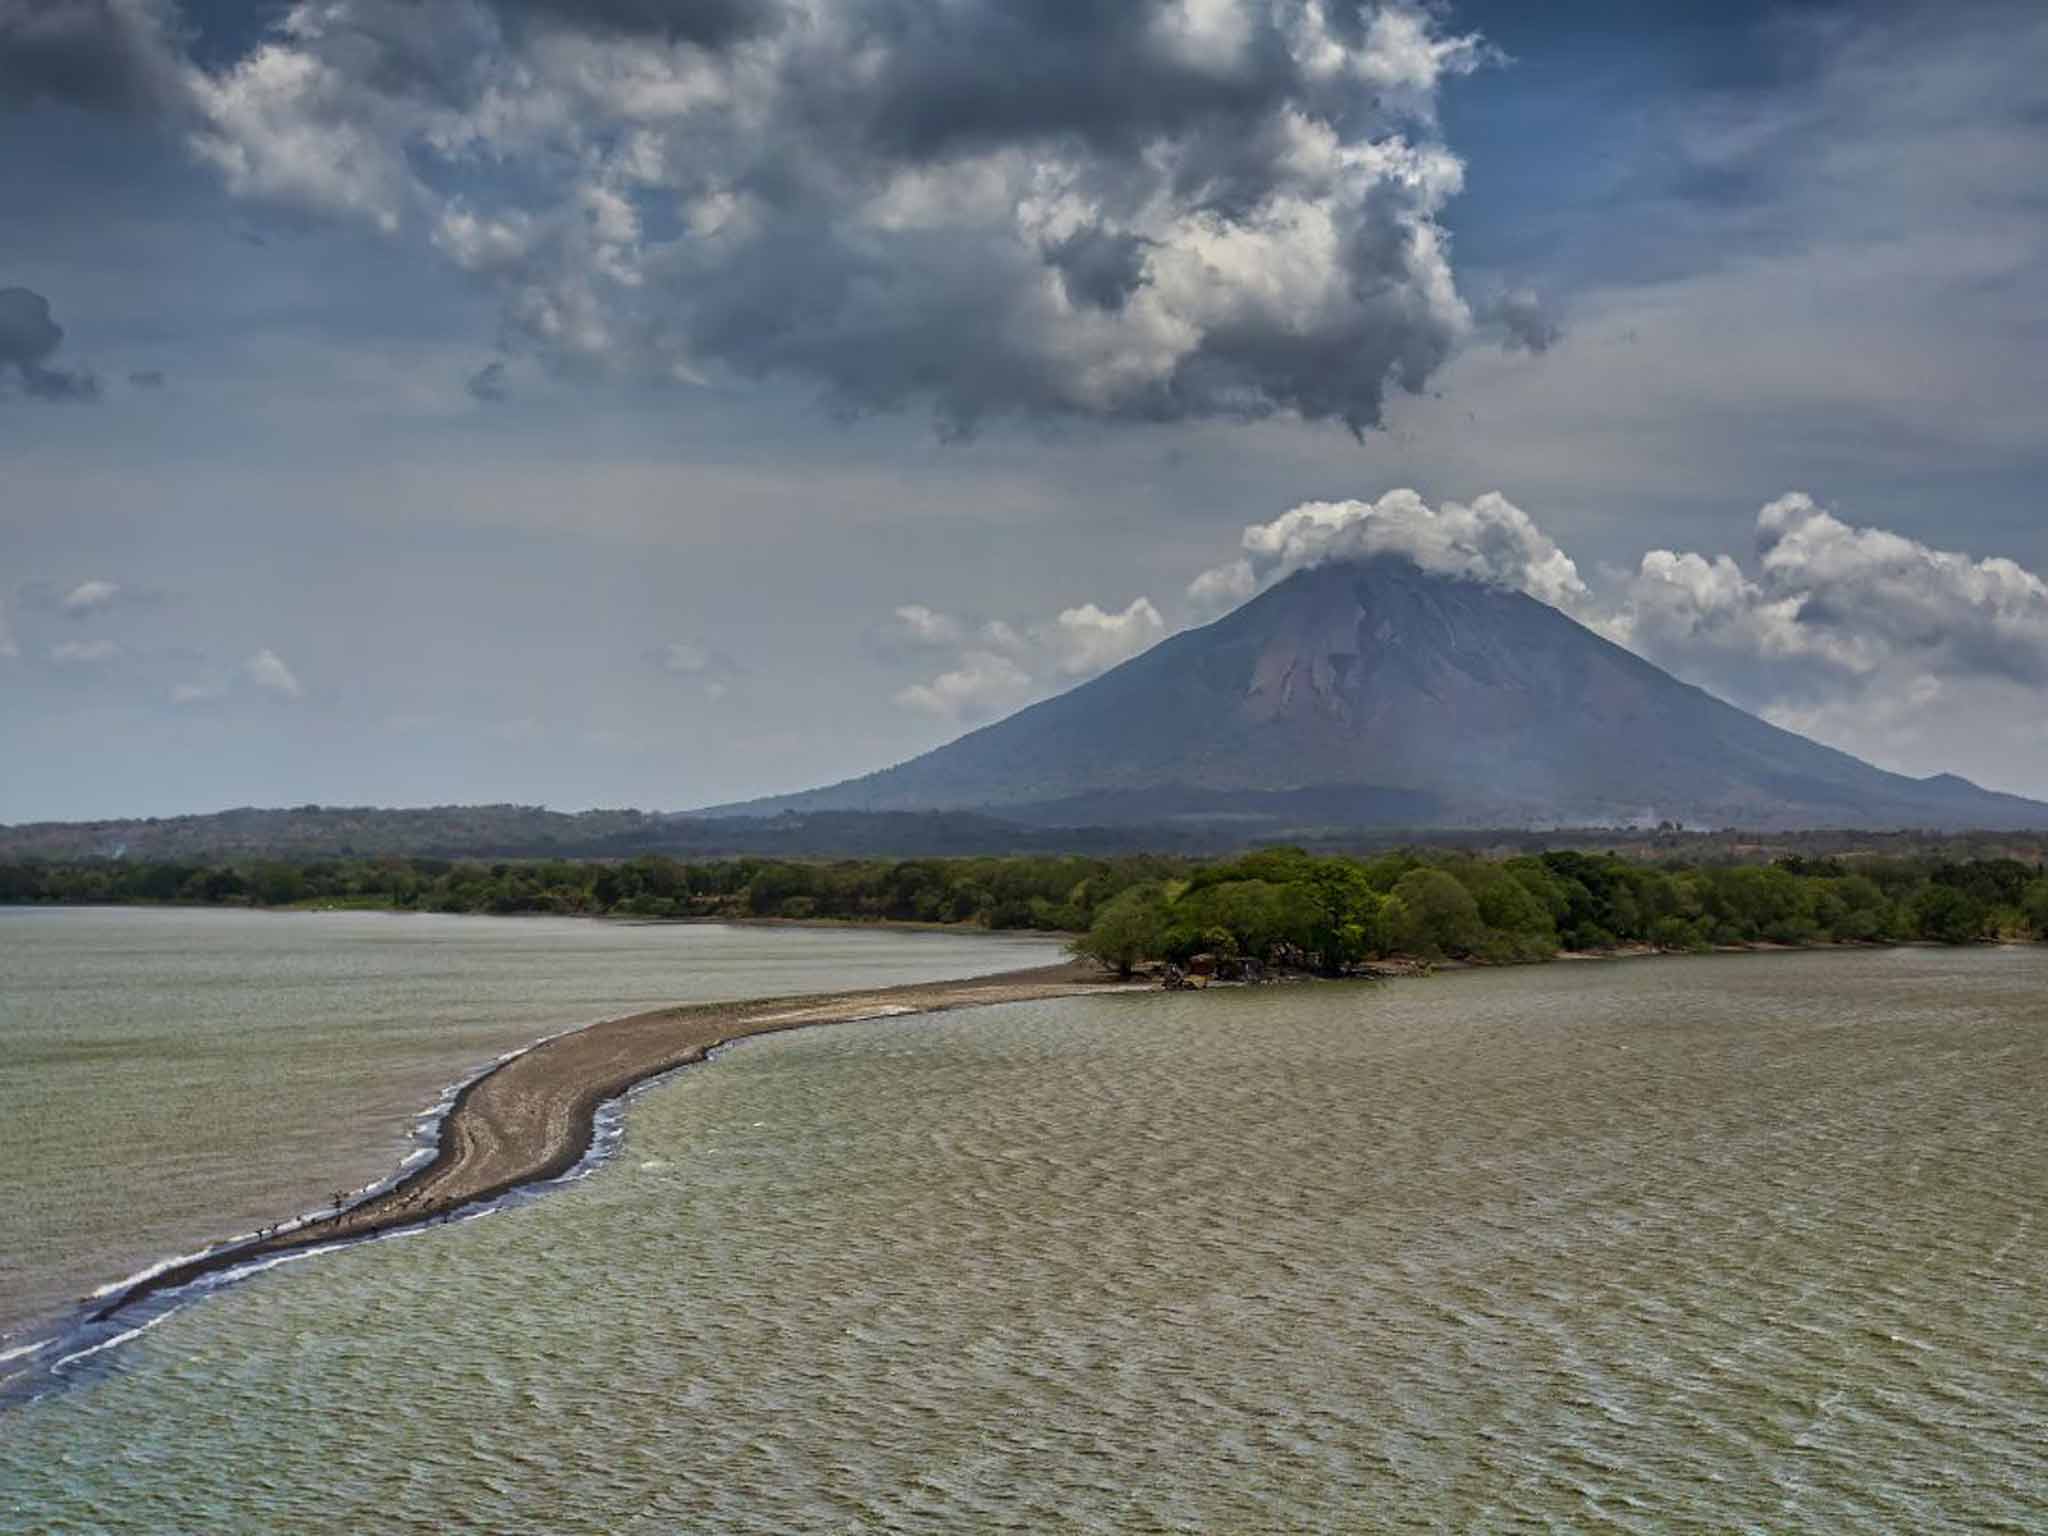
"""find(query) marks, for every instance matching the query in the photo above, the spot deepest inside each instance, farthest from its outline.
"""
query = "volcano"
(1373, 693)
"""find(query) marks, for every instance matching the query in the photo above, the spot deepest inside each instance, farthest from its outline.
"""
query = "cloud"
(916, 625)
(1221, 588)
(686, 658)
(1832, 604)
(90, 597)
(713, 671)
(1152, 211)
(146, 378)
(84, 652)
(29, 338)
(917, 631)
(706, 23)
(1525, 321)
(10, 648)
(983, 686)
(265, 672)
(107, 55)
(1491, 540)
(1085, 640)
(999, 666)
(266, 669)
(488, 384)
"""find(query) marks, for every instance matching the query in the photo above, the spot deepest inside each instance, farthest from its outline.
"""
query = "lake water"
(171, 1076)
(1732, 1243)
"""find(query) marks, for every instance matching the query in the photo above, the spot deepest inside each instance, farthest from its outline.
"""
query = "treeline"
(1190, 826)
(1281, 905)
(1284, 906)
(1054, 893)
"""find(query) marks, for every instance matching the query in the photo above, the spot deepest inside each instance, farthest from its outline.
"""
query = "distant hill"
(1376, 694)
(532, 832)
(327, 831)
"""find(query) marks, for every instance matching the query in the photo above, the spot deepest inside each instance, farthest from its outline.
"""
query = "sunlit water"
(1737, 1243)
(170, 1076)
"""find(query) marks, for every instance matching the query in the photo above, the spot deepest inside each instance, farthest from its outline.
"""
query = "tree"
(2034, 904)
(1948, 916)
(1127, 929)
(1438, 915)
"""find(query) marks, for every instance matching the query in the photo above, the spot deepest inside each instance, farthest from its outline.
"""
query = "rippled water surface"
(170, 1076)
(1747, 1243)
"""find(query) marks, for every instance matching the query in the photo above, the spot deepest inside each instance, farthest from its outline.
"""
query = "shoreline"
(533, 1116)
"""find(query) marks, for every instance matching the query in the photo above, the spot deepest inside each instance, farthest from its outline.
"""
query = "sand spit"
(532, 1117)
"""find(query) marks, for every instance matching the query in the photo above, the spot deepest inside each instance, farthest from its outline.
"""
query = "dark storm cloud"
(963, 76)
(29, 338)
(1099, 267)
(1149, 211)
(96, 54)
(706, 23)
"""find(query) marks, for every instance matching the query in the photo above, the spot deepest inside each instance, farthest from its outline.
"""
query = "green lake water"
(171, 1076)
(1733, 1243)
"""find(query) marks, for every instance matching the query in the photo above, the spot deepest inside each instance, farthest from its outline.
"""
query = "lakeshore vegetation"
(1328, 913)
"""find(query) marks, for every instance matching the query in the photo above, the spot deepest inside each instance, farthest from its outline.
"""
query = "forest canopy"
(1329, 913)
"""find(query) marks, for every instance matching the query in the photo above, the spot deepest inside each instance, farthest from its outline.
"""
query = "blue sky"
(834, 411)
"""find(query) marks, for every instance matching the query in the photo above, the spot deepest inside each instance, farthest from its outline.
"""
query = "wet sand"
(532, 1118)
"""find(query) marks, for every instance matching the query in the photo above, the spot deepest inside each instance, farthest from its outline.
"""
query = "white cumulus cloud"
(1086, 640)
(1221, 588)
(1491, 540)
(266, 669)
(918, 625)
(1918, 657)
(1838, 599)
(983, 686)
(90, 597)
(998, 665)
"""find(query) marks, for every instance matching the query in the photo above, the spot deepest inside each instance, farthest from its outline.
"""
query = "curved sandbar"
(532, 1118)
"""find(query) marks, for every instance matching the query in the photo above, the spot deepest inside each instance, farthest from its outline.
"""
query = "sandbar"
(532, 1118)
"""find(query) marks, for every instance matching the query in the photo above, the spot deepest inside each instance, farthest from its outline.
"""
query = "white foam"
(105, 1344)
(153, 1271)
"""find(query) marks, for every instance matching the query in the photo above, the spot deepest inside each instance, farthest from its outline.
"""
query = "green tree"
(1127, 929)
(1948, 916)
(1438, 915)
(2034, 907)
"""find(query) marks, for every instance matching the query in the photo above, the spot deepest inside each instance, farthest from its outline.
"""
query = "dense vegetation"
(1332, 914)
(1051, 893)
(494, 832)
(1282, 905)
